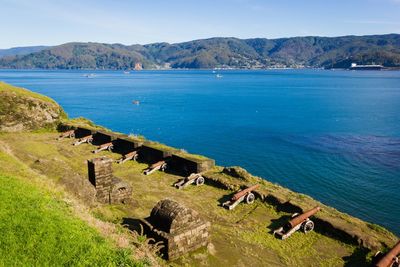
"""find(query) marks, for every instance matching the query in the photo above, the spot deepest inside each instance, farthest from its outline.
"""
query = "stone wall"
(121, 192)
(109, 189)
(100, 175)
(180, 228)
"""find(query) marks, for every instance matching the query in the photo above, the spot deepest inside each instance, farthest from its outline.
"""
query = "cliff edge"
(23, 110)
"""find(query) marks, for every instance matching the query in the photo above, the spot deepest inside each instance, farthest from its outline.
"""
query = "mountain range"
(297, 52)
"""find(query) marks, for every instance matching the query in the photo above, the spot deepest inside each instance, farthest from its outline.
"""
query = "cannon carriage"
(86, 139)
(67, 134)
(130, 156)
(298, 222)
(194, 178)
(158, 166)
(243, 195)
(107, 146)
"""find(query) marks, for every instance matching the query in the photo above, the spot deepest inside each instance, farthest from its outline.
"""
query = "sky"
(53, 22)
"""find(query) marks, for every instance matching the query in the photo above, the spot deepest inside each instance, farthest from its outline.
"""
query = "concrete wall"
(125, 145)
(186, 166)
(82, 132)
(150, 155)
(100, 138)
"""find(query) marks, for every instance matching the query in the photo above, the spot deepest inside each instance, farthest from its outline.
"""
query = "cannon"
(390, 259)
(69, 134)
(130, 156)
(298, 221)
(245, 194)
(195, 178)
(160, 165)
(107, 146)
(87, 139)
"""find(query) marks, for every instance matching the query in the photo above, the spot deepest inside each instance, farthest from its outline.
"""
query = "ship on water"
(354, 66)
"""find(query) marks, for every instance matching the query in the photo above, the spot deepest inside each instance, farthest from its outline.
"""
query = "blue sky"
(46, 22)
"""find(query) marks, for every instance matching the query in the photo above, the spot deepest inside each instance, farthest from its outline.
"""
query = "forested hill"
(326, 52)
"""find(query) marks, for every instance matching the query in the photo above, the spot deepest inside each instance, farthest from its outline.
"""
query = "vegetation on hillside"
(21, 109)
(20, 50)
(327, 52)
(38, 230)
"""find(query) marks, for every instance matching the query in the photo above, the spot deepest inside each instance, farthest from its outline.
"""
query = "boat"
(355, 66)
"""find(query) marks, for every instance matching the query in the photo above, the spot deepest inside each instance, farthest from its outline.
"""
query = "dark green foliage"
(335, 52)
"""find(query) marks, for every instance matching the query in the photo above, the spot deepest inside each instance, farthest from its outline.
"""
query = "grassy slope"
(241, 236)
(22, 109)
(24, 92)
(37, 228)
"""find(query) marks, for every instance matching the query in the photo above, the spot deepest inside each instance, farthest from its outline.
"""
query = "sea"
(333, 135)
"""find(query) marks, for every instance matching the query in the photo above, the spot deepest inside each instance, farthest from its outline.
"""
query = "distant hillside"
(326, 52)
(21, 50)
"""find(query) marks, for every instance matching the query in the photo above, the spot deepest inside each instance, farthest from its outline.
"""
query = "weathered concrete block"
(82, 132)
(151, 154)
(125, 145)
(186, 165)
(100, 138)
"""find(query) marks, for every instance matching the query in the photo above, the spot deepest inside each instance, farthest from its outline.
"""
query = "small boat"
(91, 75)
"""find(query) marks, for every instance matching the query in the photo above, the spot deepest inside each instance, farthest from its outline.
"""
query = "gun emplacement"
(299, 221)
(245, 194)
(87, 139)
(391, 258)
(196, 178)
(160, 165)
(69, 134)
(130, 156)
(107, 146)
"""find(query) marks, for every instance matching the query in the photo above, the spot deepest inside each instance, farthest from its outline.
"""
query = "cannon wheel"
(250, 198)
(200, 180)
(308, 226)
(163, 167)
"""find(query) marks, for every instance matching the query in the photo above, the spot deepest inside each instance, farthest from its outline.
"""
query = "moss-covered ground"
(39, 228)
(239, 237)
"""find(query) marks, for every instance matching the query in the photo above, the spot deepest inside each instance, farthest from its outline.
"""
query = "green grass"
(36, 229)
(24, 92)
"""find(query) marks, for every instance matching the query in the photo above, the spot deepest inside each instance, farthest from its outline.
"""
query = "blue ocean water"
(334, 135)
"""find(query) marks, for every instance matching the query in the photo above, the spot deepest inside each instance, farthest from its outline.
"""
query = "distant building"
(138, 66)
(354, 66)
